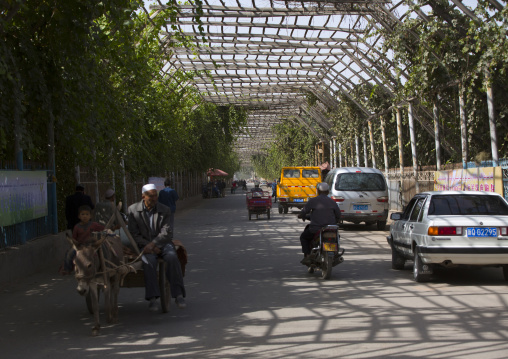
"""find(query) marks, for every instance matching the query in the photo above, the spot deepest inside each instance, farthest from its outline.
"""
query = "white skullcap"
(148, 187)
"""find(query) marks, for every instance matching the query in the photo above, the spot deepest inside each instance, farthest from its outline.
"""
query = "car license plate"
(482, 232)
(330, 247)
(360, 207)
(298, 200)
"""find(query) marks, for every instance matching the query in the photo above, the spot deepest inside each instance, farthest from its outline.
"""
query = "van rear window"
(360, 182)
(291, 173)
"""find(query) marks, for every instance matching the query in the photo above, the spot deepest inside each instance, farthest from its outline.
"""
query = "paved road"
(249, 297)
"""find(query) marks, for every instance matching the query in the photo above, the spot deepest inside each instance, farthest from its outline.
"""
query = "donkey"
(90, 274)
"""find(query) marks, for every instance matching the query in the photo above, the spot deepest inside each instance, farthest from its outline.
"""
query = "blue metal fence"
(502, 163)
(21, 233)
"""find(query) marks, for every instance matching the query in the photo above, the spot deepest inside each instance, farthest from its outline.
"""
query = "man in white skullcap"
(149, 225)
(323, 211)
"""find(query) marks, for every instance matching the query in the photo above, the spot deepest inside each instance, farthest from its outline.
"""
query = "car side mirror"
(396, 216)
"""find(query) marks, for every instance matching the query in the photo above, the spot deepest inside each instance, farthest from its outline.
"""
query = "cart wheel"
(164, 287)
(268, 213)
(89, 300)
(280, 209)
(286, 209)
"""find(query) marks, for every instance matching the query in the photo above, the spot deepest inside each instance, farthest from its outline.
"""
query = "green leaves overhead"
(293, 146)
(99, 69)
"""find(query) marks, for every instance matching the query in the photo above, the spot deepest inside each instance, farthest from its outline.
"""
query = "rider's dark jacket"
(141, 230)
(323, 211)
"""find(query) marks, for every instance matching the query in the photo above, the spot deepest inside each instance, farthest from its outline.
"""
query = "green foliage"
(443, 52)
(293, 146)
(95, 68)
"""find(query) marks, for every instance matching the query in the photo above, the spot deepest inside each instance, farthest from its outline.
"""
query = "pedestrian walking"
(168, 196)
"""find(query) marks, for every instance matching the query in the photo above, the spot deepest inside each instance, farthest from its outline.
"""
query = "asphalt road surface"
(249, 297)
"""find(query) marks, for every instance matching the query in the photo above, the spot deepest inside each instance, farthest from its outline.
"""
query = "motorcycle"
(325, 250)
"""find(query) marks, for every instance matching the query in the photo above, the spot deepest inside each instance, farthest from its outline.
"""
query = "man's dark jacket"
(139, 225)
(323, 211)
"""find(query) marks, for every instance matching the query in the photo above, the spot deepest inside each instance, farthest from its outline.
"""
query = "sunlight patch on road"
(283, 313)
(177, 340)
(291, 247)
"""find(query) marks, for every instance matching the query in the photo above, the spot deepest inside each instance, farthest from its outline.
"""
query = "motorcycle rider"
(323, 211)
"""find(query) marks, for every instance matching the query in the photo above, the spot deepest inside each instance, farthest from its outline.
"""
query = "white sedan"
(450, 228)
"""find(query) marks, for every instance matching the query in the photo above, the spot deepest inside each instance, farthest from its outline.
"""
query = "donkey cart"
(106, 264)
(135, 279)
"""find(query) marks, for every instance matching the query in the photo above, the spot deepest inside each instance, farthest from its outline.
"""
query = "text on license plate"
(298, 200)
(360, 207)
(482, 232)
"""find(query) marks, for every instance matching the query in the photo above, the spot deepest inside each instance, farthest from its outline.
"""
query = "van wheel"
(286, 209)
(381, 225)
(280, 209)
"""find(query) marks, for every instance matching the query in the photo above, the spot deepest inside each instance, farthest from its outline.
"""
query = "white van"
(361, 194)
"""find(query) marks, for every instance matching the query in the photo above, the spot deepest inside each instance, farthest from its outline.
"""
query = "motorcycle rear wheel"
(326, 267)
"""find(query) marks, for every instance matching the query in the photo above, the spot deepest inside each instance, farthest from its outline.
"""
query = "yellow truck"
(297, 185)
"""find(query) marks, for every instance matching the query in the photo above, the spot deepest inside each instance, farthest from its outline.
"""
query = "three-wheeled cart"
(259, 202)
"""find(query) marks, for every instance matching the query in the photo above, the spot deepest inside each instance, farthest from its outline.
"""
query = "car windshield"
(457, 205)
(360, 182)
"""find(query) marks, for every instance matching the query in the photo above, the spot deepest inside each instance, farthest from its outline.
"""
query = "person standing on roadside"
(72, 204)
(274, 190)
(168, 197)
